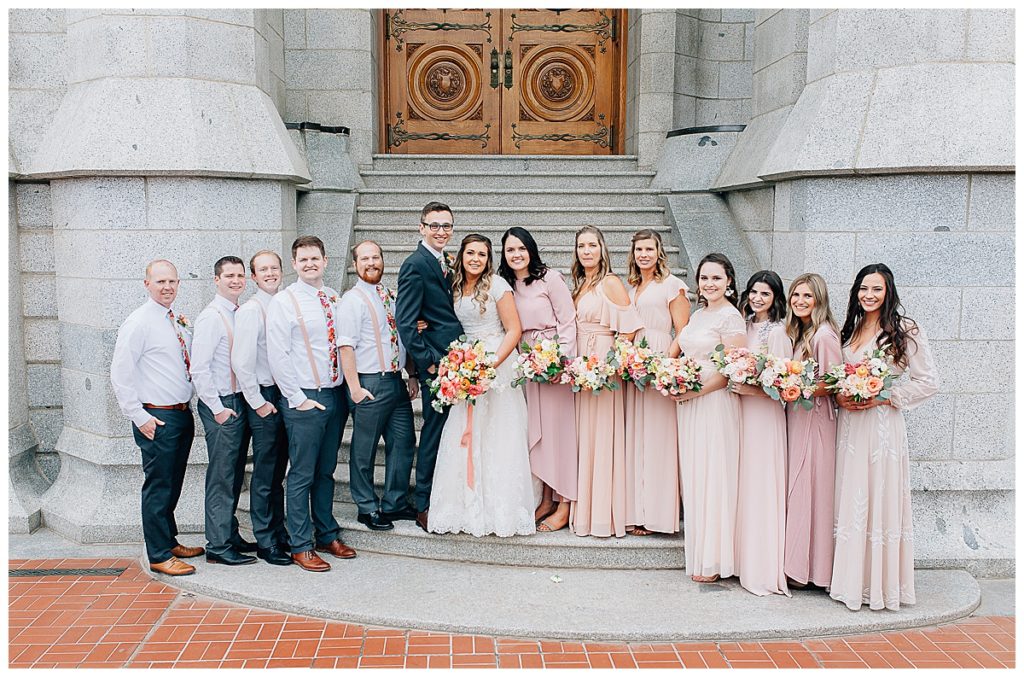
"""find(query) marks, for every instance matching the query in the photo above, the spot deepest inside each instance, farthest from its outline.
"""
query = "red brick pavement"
(133, 621)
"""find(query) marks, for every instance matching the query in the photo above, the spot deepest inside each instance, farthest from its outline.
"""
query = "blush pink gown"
(811, 467)
(600, 508)
(546, 309)
(709, 451)
(874, 561)
(761, 507)
(652, 445)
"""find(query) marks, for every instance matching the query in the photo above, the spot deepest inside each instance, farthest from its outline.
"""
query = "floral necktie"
(444, 264)
(330, 333)
(385, 297)
(181, 340)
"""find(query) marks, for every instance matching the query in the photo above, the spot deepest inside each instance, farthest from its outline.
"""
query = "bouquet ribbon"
(467, 443)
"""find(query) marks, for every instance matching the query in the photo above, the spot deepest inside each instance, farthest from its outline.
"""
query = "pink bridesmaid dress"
(546, 309)
(811, 466)
(652, 444)
(874, 561)
(709, 451)
(600, 508)
(761, 506)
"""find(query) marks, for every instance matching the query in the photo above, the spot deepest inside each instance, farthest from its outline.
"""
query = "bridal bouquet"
(676, 375)
(463, 375)
(739, 365)
(588, 372)
(865, 380)
(543, 362)
(632, 361)
(788, 380)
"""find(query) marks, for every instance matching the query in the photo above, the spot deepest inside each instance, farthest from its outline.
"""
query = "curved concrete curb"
(555, 603)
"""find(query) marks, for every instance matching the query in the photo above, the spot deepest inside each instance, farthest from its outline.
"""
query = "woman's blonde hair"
(579, 275)
(483, 285)
(802, 335)
(661, 269)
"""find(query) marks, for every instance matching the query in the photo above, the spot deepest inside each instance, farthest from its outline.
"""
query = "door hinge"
(615, 27)
(387, 26)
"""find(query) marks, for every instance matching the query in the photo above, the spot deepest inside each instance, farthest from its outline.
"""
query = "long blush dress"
(600, 508)
(709, 451)
(761, 507)
(652, 444)
(874, 561)
(810, 499)
(545, 309)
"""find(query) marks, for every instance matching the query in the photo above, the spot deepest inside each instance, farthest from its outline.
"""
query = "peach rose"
(874, 385)
(795, 367)
(455, 357)
(790, 394)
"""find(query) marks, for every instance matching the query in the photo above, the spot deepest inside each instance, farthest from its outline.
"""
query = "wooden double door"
(503, 81)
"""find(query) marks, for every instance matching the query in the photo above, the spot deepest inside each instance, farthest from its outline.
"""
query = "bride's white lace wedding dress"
(501, 501)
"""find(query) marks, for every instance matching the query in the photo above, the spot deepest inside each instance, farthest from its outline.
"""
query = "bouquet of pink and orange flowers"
(463, 375)
(542, 362)
(862, 381)
(590, 373)
(739, 365)
(676, 375)
(787, 380)
(633, 362)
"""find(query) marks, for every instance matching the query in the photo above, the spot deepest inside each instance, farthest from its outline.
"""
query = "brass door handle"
(508, 68)
(494, 68)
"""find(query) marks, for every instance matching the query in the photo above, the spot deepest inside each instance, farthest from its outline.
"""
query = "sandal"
(639, 531)
(549, 513)
(704, 579)
(544, 528)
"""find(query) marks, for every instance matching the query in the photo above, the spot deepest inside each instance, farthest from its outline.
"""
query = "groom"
(425, 293)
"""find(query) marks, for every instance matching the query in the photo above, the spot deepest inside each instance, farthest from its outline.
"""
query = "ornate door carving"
(503, 81)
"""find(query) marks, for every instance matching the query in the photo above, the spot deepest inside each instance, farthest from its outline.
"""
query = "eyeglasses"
(434, 227)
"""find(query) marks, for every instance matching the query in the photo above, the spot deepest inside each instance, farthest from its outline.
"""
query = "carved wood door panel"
(503, 81)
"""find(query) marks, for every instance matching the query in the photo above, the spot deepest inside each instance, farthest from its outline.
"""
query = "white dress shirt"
(286, 347)
(355, 329)
(249, 358)
(211, 359)
(148, 365)
(436, 254)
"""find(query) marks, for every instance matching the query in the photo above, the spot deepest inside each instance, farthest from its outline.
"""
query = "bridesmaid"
(546, 309)
(652, 446)
(709, 427)
(761, 506)
(874, 561)
(602, 310)
(812, 439)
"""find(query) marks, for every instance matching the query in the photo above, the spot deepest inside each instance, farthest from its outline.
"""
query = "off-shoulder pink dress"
(546, 309)
(811, 466)
(709, 451)
(600, 508)
(652, 445)
(874, 561)
(761, 506)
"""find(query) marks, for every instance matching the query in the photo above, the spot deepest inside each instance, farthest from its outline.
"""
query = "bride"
(501, 500)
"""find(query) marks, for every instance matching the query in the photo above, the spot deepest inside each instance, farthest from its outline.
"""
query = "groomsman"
(425, 293)
(220, 409)
(151, 381)
(372, 356)
(304, 363)
(262, 404)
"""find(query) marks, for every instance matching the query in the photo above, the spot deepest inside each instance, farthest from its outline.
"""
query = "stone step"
(544, 235)
(387, 179)
(469, 217)
(503, 163)
(511, 198)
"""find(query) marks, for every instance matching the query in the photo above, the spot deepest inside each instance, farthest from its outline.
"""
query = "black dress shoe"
(406, 513)
(274, 555)
(284, 546)
(231, 557)
(374, 520)
(242, 545)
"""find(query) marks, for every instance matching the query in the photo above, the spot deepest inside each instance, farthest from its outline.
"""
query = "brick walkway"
(132, 620)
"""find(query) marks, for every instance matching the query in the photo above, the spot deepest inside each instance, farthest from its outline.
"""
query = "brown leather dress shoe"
(172, 567)
(187, 551)
(310, 561)
(421, 520)
(338, 549)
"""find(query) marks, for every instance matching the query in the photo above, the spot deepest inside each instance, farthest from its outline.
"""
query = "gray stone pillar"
(165, 145)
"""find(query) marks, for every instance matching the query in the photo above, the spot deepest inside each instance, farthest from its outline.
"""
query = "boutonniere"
(183, 321)
(333, 298)
(447, 259)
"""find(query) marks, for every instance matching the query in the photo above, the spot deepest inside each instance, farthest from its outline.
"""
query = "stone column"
(165, 145)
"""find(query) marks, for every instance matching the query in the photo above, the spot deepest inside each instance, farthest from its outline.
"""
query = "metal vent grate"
(66, 572)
